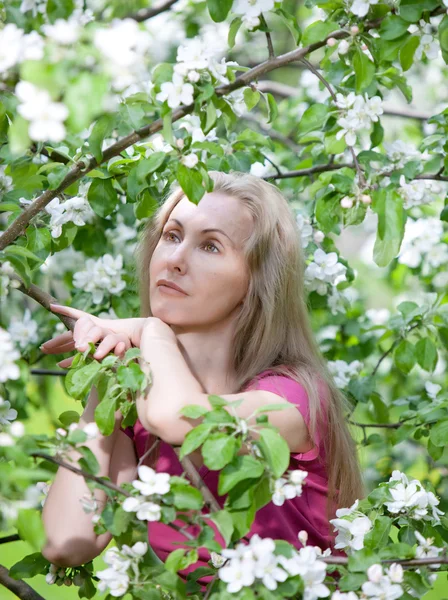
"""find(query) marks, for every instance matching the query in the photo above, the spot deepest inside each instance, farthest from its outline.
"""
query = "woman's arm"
(174, 386)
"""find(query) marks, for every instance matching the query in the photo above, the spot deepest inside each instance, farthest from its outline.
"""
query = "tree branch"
(197, 481)
(310, 171)
(148, 13)
(17, 586)
(10, 538)
(404, 562)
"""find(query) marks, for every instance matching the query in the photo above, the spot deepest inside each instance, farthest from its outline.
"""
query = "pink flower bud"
(366, 199)
(354, 29)
(346, 202)
(331, 42)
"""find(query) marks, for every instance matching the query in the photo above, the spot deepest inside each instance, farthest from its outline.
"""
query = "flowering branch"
(17, 586)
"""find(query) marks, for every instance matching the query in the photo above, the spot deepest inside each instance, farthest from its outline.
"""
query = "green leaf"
(405, 356)
(241, 468)
(186, 497)
(219, 9)
(291, 23)
(68, 417)
(105, 414)
(388, 204)
(275, 450)
(272, 107)
(193, 411)
(102, 128)
(131, 377)
(15, 250)
(313, 119)
(318, 31)
(412, 10)
(223, 521)
(379, 534)
(102, 197)
(29, 566)
(271, 407)
(426, 354)
(435, 452)
(149, 165)
(443, 37)
(19, 140)
(30, 527)
(78, 381)
(407, 52)
(88, 462)
(233, 30)
(361, 560)
(364, 70)
(195, 438)
(393, 27)
(438, 433)
(216, 401)
(251, 97)
(190, 180)
(218, 450)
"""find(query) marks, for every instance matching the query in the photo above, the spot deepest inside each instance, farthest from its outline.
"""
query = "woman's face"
(209, 266)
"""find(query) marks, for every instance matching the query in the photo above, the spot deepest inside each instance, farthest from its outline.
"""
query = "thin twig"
(15, 537)
(271, 51)
(193, 474)
(405, 562)
(311, 171)
(48, 372)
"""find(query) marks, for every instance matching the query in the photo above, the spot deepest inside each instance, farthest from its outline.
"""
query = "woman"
(237, 326)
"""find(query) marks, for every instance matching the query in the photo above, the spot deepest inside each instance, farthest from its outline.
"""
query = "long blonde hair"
(273, 329)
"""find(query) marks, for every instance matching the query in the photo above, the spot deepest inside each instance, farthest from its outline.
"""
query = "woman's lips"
(170, 291)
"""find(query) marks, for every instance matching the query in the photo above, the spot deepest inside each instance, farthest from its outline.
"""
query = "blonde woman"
(223, 312)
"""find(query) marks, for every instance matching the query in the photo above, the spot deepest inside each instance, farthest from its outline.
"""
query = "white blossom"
(75, 210)
(7, 413)
(151, 482)
(337, 595)
(17, 46)
(123, 42)
(64, 32)
(400, 153)
(306, 230)
(306, 563)
(24, 331)
(420, 236)
(324, 271)
(35, 6)
(282, 491)
(46, 117)
(426, 549)
(411, 499)
(343, 371)
(432, 389)
(6, 183)
(351, 532)
(6, 278)
(380, 586)
(176, 92)
(101, 276)
(8, 356)
(251, 8)
(192, 124)
(190, 160)
(361, 7)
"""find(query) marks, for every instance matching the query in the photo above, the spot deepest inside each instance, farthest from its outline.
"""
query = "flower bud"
(318, 236)
(180, 143)
(354, 29)
(331, 42)
(78, 579)
(193, 76)
(303, 537)
(344, 47)
(67, 581)
(366, 199)
(346, 202)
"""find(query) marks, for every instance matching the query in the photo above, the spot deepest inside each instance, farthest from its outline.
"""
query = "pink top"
(278, 522)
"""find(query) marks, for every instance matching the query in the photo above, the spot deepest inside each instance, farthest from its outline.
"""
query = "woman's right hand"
(114, 335)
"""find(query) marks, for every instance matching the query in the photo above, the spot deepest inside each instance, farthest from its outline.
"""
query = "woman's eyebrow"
(206, 230)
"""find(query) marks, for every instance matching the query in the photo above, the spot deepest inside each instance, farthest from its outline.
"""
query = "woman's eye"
(212, 245)
(166, 235)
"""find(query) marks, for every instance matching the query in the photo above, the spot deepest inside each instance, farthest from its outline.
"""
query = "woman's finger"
(84, 333)
(68, 347)
(69, 311)
(64, 364)
(50, 345)
(107, 345)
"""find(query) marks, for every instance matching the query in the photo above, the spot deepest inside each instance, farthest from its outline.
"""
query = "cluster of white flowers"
(399, 153)
(257, 562)
(383, 584)
(422, 245)
(24, 331)
(75, 210)
(340, 301)
(7, 414)
(285, 489)
(101, 276)
(17, 46)
(324, 271)
(123, 237)
(343, 371)
(115, 579)
(429, 45)
(358, 113)
(307, 232)
(8, 355)
(418, 192)
(58, 575)
(351, 525)
(46, 117)
(34, 6)
(192, 124)
(6, 280)
(149, 484)
(67, 32)
(360, 8)
(411, 499)
(250, 10)
(124, 45)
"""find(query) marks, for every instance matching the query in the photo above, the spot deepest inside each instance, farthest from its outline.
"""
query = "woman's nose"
(177, 258)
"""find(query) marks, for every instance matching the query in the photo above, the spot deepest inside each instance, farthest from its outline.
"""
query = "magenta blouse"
(278, 522)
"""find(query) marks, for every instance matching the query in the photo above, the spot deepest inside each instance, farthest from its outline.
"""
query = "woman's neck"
(209, 355)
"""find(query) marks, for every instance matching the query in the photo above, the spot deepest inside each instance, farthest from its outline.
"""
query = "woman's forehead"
(215, 210)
